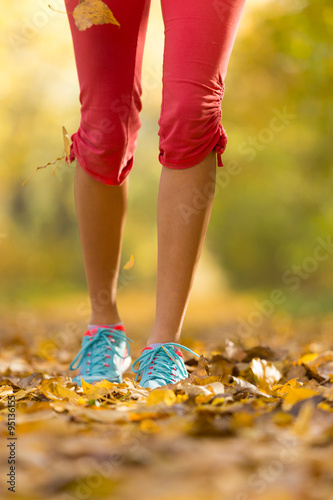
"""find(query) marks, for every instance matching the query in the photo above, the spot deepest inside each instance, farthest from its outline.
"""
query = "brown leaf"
(92, 12)
(259, 351)
(242, 386)
(202, 370)
(30, 381)
(234, 352)
(322, 365)
(221, 366)
(298, 372)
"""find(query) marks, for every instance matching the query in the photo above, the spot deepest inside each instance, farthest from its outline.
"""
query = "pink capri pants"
(199, 36)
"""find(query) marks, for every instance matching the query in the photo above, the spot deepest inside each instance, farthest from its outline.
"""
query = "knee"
(102, 149)
(189, 129)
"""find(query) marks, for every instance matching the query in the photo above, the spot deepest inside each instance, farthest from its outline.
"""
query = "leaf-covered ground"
(253, 421)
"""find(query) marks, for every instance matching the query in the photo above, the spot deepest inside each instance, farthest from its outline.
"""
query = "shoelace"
(158, 361)
(97, 349)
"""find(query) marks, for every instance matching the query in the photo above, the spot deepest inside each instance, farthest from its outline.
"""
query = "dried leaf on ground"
(271, 408)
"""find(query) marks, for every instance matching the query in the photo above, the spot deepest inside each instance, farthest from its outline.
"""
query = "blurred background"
(272, 221)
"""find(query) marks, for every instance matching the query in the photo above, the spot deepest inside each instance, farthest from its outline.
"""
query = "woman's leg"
(199, 36)
(101, 212)
(181, 234)
(108, 61)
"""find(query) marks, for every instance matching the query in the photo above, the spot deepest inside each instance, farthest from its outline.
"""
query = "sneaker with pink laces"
(161, 365)
(104, 355)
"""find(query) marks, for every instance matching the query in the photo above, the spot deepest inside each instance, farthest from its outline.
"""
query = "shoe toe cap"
(153, 384)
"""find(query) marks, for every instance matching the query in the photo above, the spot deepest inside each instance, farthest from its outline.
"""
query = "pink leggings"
(199, 35)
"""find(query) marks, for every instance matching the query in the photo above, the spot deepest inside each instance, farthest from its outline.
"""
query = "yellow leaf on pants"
(91, 12)
(161, 396)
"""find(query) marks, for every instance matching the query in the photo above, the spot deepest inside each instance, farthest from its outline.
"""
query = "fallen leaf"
(129, 263)
(242, 386)
(201, 399)
(158, 396)
(5, 390)
(242, 419)
(322, 364)
(234, 352)
(149, 425)
(202, 369)
(265, 371)
(306, 358)
(55, 390)
(303, 420)
(297, 371)
(259, 351)
(298, 394)
(221, 366)
(282, 419)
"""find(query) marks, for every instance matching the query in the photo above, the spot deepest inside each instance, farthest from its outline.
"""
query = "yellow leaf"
(161, 396)
(67, 142)
(81, 401)
(306, 358)
(284, 389)
(59, 406)
(282, 419)
(182, 397)
(55, 390)
(149, 425)
(5, 390)
(107, 384)
(217, 401)
(137, 417)
(91, 12)
(303, 420)
(322, 364)
(22, 393)
(298, 394)
(325, 406)
(201, 399)
(242, 419)
(129, 264)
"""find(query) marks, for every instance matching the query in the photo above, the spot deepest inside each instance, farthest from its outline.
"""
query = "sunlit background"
(272, 222)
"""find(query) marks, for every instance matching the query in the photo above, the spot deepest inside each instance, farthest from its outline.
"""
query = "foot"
(161, 365)
(104, 355)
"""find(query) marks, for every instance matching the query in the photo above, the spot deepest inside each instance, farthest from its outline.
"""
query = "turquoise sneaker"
(104, 355)
(161, 365)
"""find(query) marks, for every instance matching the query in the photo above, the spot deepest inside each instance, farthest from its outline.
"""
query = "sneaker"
(104, 355)
(161, 365)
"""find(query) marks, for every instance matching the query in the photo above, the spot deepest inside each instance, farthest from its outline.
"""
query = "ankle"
(162, 338)
(104, 320)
